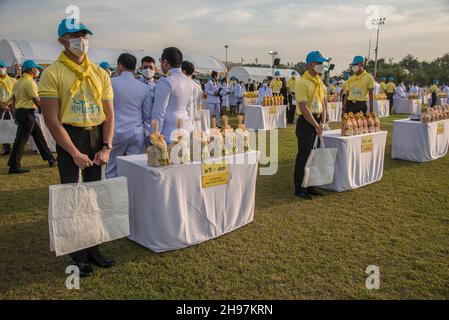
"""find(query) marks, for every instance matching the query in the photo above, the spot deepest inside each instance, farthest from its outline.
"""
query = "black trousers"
(434, 100)
(390, 98)
(291, 110)
(356, 106)
(306, 134)
(6, 146)
(26, 126)
(88, 142)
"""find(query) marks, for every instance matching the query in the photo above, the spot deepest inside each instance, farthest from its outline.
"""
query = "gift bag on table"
(320, 166)
(82, 215)
(8, 129)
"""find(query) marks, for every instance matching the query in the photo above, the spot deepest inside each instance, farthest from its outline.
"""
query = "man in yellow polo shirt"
(291, 88)
(383, 85)
(359, 89)
(310, 100)
(26, 101)
(390, 89)
(276, 84)
(77, 97)
(6, 85)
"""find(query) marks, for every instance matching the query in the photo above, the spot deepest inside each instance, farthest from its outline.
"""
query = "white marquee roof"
(17, 51)
(258, 74)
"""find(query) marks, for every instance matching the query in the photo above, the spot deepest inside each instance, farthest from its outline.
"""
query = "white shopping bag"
(8, 129)
(82, 215)
(320, 166)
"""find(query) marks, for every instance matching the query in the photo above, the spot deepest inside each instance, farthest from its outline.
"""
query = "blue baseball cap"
(383, 78)
(105, 65)
(315, 56)
(71, 26)
(436, 81)
(2, 64)
(277, 73)
(391, 78)
(357, 60)
(28, 64)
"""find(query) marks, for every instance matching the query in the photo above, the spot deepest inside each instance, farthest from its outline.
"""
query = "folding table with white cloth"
(441, 101)
(360, 159)
(335, 111)
(51, 143)
(265, 118)
(419, 142)
(408, 106)
(171, 208)
(382, 108)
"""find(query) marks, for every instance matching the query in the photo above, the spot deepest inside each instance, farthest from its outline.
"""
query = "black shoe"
(314, 192)
(303, 194)
(85, 269)
(51, 163)
(99, 260)
(18, 170)
(6, 152)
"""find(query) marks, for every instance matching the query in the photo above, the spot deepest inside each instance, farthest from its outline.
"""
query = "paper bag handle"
(10, 115)
(80, 174)
(315, 144)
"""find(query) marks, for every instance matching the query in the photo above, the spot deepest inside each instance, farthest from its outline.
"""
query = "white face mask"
(37, 73)
(355, 69)
(265, 84)
(78, 46)
(2, 72)
(318, 68)
(148, 73)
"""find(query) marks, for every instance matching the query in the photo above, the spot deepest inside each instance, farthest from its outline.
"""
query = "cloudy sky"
(251, 28)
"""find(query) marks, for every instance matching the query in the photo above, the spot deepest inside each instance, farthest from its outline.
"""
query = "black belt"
(74, 128)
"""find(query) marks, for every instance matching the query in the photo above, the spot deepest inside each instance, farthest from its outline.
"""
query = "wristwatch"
(107, 146)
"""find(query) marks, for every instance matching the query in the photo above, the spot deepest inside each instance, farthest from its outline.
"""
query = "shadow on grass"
(25, 257)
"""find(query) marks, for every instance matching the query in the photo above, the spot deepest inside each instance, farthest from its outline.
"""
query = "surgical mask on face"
(78, 46)
(265, 84)
(2, 72)
(355, 69)
(318, 68)
(37, 73)
(148, 73)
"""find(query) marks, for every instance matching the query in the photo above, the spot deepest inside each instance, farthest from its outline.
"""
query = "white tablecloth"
(205, 120)
(407, 106)
(51, 143)
(170, 210)
(260, 118)
(335, 110)
(355, 168)
(382, 108)
(416, 141)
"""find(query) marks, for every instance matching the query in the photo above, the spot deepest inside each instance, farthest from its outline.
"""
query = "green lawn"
(292, 250)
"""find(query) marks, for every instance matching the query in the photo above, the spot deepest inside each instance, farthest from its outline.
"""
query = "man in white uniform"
(400, 94)
(213, 93)
(188, 69)
(132, 106)
(172, 95)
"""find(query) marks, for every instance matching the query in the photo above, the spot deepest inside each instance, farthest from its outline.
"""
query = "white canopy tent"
(258, 74)
(15, 52)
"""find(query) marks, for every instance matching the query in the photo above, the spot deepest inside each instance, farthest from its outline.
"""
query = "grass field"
(293, 249)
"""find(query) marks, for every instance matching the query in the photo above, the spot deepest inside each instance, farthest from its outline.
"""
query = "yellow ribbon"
(320, 89)
(5, 84)
(86, 75)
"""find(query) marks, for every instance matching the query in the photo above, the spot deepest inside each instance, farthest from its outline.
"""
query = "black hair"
(214, 74)
(188, 68)
(147, 59)
(173, 56)
(128, 61)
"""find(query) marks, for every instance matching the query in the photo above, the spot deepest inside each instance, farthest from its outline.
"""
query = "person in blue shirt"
(132, 107)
